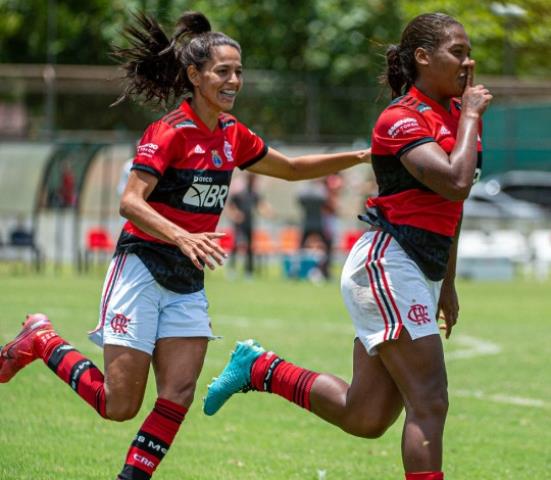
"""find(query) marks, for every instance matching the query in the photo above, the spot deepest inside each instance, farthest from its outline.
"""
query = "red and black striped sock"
(425, 476)
(73, 368)
(271, 373)
(153, 440)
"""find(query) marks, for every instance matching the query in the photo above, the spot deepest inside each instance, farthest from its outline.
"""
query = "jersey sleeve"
(156, 150)
(399, 130)
(249, 147)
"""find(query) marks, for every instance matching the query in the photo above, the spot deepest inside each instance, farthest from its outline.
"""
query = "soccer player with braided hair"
(399, 277)
(154, 307)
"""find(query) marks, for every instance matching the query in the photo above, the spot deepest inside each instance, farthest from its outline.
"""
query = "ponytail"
(394, 75)
(424, 31)
(155, 65)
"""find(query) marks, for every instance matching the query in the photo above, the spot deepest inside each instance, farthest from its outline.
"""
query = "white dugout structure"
(57, 192)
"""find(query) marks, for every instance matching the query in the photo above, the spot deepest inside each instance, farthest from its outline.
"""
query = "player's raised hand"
(476, 98)
(202, 249)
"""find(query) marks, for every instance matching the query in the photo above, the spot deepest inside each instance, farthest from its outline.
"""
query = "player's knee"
(366, 427)
(433, 404)
(182, 393)
(122, 412)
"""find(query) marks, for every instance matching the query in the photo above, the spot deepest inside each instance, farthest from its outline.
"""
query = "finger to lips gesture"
(476, 98)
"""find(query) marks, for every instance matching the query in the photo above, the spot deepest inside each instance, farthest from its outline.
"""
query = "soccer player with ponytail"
(154, 307)
(399, 276)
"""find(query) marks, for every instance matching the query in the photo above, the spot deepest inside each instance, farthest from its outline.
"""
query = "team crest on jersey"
(228, 151)
(216, 158)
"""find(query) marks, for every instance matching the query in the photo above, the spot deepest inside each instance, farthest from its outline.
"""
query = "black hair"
(424, 31)
(155, 65)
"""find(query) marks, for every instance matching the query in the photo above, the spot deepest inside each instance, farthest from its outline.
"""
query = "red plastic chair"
(227, 242)
(98, 242)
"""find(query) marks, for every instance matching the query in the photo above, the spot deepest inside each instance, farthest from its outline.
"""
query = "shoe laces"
(247, 388)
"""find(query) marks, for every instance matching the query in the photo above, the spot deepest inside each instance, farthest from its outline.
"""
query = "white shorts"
(136, 311)
(385, 291)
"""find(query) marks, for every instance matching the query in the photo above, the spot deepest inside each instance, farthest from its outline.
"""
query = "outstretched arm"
(275, 164)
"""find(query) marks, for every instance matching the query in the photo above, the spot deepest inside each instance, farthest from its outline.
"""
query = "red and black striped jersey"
(409, 208)
(194, 167)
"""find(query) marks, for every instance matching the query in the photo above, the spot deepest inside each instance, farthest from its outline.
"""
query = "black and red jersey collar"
(186, 107)
(419, 95)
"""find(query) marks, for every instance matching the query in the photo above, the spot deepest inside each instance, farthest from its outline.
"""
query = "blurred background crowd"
(311, 84)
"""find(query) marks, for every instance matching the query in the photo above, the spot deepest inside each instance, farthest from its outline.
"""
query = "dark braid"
(424, 31)
(155, 66)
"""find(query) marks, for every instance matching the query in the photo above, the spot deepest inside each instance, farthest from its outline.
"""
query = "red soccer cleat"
(20, 351)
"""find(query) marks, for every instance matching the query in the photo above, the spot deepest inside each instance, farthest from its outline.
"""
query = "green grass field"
(498, 364)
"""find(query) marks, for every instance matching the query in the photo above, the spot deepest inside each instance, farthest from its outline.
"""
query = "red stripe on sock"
(91, 384)
(91, 389)
(45, 343)
(425, 476)
(162, 423)
(165, 419)
(288, 380)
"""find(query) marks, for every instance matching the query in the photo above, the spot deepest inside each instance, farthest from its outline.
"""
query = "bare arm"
(448, 303)
(275, 164)
(199, 247)
(452, 176)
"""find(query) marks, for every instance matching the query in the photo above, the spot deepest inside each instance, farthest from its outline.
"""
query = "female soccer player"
(400, 274)
(154, 308)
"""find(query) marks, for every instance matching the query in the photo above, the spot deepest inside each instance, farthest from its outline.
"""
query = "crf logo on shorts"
(419, 314)
(119, 324)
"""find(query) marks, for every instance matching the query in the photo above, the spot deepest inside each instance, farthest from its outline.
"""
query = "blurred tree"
(529, 36)
(324, 57)
(336, 40)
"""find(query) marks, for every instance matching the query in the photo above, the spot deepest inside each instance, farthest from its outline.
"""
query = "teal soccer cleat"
(236, 376)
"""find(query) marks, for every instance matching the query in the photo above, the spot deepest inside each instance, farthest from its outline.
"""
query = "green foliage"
(529, 36)
(335, 40)
(80, 34)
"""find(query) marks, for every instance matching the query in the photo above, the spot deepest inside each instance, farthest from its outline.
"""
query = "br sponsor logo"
(119, 324)
(403, 126)
(206, 195)
(419, 314)
(147, 149)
